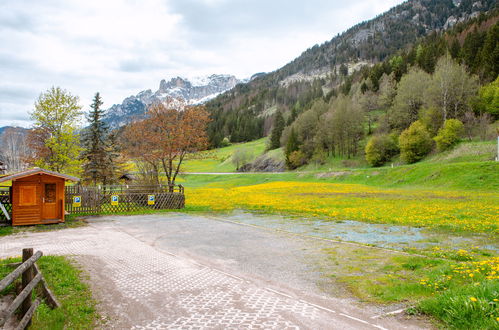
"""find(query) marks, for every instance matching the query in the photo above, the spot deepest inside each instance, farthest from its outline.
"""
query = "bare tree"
(369, 102)
(14, 149)
(451, 88)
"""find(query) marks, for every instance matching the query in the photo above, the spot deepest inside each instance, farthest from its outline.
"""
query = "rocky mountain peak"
(176, 82)
(192, 90)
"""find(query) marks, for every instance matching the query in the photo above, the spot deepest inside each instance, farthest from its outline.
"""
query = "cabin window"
(27, 196)
(50, 193)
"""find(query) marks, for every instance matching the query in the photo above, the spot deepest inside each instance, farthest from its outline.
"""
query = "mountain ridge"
(319, 69)
(191, 90)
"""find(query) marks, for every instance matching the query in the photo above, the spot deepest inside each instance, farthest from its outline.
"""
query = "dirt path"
(142, 285)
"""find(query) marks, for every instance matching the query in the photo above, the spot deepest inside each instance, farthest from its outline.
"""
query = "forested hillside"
(413, 34)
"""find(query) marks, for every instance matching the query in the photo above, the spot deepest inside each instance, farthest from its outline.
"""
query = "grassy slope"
(482, 176)
(219, 160)
(469, 166)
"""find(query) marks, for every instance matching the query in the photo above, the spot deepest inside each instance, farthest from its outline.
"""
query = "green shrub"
(432, 118)
(449, 135)
(415, 143)
(488, 99)
(225, 142)
(297, 159)
(380, 148)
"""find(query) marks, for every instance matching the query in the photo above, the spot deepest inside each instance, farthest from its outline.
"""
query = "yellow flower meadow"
(476, 212)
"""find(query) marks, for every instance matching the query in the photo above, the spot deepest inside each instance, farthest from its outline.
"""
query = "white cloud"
(119, 47)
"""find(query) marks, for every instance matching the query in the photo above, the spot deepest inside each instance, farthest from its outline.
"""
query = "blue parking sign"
(76, 201)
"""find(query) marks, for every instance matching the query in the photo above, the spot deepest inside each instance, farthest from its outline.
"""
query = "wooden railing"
(30, 278)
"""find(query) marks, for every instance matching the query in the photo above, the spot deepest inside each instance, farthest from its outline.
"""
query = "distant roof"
(128, 176)
(36, 170)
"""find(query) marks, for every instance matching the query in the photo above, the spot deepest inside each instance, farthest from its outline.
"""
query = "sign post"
(114, 200)
(151, 199)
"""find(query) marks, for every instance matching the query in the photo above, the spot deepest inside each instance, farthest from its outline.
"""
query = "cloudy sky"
(120, 47)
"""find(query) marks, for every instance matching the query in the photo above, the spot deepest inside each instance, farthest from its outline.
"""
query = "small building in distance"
(3, 168)
(37, 196)
(127, 178)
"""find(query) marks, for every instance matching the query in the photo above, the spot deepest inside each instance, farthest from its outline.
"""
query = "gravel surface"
(182, 271)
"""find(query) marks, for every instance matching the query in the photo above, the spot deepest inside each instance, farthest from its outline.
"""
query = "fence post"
(27, 277)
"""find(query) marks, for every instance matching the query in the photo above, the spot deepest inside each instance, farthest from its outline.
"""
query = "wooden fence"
(5, 201)
(98, 200)
(123, 198)
(31, 277)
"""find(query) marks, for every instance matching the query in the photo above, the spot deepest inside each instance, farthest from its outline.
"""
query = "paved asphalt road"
(181, 271)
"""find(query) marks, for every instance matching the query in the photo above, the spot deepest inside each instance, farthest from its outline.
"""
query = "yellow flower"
(473, 299)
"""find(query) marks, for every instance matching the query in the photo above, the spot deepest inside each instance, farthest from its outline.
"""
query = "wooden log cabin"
(37, 196)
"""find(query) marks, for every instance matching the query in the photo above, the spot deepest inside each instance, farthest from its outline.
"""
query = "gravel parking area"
(181, 271)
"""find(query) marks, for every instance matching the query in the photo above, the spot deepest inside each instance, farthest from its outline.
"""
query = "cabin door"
(49, 199)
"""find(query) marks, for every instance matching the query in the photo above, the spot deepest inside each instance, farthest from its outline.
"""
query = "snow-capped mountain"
(192, 90)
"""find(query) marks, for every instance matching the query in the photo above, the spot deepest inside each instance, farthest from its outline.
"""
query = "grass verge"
(458, 294)
(78, 309)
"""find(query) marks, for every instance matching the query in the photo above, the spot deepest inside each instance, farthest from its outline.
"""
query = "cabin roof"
(34, 171)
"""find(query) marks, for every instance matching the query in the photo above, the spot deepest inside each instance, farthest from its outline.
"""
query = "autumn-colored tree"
(170, 132)
(53, 138)
(136, 142)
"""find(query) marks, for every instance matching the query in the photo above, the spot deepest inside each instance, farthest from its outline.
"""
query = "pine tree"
(100, 150)
(490, 54)
(292, 145)
(275, 138)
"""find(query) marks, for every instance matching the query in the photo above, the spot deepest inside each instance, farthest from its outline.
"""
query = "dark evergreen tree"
(455, 49)
(471, 48)
(275, 138)
(344, 70)
(490, 54)
(292, 145)
(100, 151)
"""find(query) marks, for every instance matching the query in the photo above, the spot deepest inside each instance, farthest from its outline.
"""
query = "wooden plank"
(27, 278)
(26, 293)
(26, 320)
(7, 280)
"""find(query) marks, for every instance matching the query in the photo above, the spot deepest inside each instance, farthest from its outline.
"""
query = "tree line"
(441, 90)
